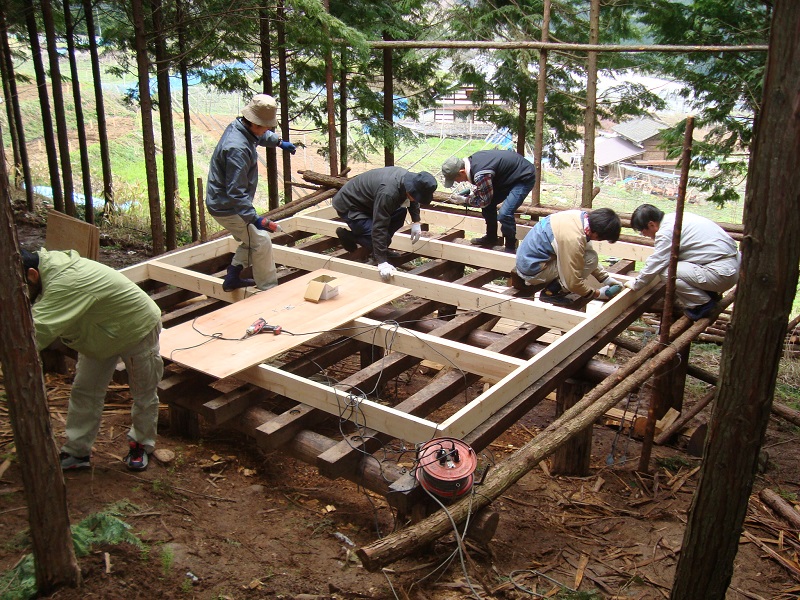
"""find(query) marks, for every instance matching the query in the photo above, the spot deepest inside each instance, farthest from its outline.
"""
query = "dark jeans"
(511, 202)
(362, 228)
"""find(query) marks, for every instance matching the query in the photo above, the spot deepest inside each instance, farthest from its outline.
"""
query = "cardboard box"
(323, 287)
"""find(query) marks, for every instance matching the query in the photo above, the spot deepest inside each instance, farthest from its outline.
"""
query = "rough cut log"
(787, 413)
(781, 507)
(571, 423)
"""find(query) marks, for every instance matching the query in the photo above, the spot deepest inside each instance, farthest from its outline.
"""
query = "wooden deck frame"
(513, 376)
(469, 222)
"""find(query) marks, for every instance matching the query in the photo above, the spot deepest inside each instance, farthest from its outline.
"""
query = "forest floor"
(226, 521)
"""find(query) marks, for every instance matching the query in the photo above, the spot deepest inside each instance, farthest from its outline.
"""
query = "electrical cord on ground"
(460, 548)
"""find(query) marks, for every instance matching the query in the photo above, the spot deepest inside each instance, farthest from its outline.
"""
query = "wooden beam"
(491, 365)
(469, 255)
(480, 409)
(444, 219)
(528, 311)
(336, 402)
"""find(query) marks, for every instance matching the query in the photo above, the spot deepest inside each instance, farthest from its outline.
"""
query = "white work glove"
(416, 232)
(630, 284)
(607, 292)
(611, 281)
(460, 198)
(386, 271)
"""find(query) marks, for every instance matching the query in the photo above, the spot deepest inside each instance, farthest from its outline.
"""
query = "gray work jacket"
(233, 173)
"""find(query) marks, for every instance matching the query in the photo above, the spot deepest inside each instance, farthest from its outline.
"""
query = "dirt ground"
(225, 520)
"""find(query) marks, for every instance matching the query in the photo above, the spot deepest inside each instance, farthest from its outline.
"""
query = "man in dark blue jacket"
(500, 177)
(232, 182)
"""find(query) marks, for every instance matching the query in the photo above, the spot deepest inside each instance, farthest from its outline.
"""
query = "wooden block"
(67, 233)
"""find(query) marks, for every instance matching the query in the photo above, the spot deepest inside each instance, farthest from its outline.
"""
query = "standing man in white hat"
(232, 182)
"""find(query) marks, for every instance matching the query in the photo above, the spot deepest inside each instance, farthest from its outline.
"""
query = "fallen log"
(781, 507)
(785, 412)
(628, 378)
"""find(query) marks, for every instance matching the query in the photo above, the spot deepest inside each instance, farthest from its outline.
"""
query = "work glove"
(462, 197)
(288, 147)
(611, 281)
(264, 224)
(386, 271)
(416, 232)
(630, 284)
(607, 292)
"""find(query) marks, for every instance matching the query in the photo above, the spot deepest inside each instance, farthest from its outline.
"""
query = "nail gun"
(261, 326)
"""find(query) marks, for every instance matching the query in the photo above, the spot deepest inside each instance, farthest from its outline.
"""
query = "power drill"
(261, 326)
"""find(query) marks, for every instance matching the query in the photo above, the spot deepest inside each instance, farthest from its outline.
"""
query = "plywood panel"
(68, 233)
(283, 305)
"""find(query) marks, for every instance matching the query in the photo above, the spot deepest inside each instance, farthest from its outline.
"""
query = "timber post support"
(574, 457)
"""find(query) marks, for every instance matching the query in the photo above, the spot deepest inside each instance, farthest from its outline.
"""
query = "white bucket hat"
(262, 110)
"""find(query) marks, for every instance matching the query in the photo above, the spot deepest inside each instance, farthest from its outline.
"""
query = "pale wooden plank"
(485, 405)
(337, 402)
(469, 255)
(182, 258)
(282, 305)
(195, 282)
(529, 311)
(452, 221)
(491, 365)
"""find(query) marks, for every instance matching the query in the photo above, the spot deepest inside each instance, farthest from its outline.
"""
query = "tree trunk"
(167, 129)
(332, 158)
(767, 284)
(590, 116)
(284, 99)
(541, 93)
(79, 121)
(148, 141)
(44, 104)
(187, 118)
(266, 75)
(9, 98)
(343, 116)
(45, 492)
(14, 105)
(58, 107)
(388, 102)
(522, 117)
(102, 133)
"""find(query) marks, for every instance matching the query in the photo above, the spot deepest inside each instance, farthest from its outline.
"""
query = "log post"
(574, 457)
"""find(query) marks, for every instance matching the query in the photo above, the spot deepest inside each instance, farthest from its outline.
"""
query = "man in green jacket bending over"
(105, 317)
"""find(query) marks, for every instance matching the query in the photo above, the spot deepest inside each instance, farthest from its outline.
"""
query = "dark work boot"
(347, 239)
(232, 280)
(510, 245)
(486, 241)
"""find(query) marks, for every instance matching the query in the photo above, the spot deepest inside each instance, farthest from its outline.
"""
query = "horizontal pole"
(563, 46)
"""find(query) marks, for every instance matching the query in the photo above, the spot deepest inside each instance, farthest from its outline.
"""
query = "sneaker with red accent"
(137, 457)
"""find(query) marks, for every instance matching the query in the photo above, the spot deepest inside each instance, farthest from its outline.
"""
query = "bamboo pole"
(563, 47)
(659, 392)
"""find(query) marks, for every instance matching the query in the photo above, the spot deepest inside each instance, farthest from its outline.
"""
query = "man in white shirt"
(708, 259)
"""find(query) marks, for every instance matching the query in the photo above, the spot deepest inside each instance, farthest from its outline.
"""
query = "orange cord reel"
(446, 467)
